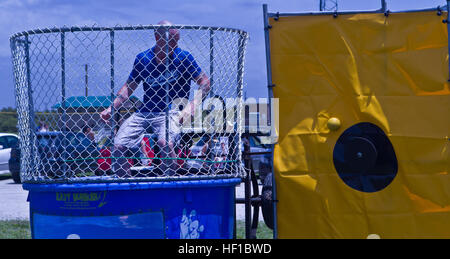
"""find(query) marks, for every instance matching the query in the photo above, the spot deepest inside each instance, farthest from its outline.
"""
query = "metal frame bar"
(30, 100)
(448, 33)
(167, 88)
(232, 138)
(238, 139)
(383, 5)
(112, 86)
(247, 193)
(270, 94)
(124, 28)
(63, 97)
(381, 10)
(211, 61)
(133, 180)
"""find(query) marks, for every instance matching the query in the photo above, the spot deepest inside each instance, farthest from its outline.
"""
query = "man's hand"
(124, 93)
(203, 81)
(106, 115)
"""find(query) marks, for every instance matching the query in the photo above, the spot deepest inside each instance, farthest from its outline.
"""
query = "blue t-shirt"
(182, 69)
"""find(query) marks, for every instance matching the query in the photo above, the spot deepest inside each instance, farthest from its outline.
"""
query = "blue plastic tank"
(193, 209)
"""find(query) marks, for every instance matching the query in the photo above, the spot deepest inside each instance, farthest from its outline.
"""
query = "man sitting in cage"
(150, 68)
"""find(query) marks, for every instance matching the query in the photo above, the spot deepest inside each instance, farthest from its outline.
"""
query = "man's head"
(88, 132)
(86, 129)
(173, 36)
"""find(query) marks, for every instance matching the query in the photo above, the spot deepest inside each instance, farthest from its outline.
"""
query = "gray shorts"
(133, 129)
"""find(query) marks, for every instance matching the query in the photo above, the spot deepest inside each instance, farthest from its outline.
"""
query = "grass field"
(20, 229)
(263, 232)
(15, 229)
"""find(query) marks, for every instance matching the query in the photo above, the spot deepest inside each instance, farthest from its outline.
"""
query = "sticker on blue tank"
(81, 200)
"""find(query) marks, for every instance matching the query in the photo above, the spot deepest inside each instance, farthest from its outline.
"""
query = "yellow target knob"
(334, 123)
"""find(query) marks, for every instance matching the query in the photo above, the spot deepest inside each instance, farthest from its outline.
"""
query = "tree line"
(8, 120)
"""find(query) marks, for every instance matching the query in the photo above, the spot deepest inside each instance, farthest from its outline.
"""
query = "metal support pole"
(211, 84)
(270, 94)
(448, 34)
(211, 62)
(234, 215)
(63, 100)
(167, 99)
(239, 79)
(86, 79)
(247, 187)
(63, 80)
(30, 103)
(383, 6)
(235, 137)
(112, 86)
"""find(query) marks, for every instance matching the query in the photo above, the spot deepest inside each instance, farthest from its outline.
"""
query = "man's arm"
(124, 93)
(204, 85)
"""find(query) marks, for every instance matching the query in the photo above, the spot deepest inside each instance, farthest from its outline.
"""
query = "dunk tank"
(177, 179)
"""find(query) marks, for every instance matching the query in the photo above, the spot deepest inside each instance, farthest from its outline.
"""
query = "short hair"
(173, 33)
(85, 128)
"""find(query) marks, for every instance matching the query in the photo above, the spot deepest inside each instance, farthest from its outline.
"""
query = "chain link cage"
(136, 103)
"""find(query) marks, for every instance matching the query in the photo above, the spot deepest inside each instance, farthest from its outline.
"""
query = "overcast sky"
(20, 15)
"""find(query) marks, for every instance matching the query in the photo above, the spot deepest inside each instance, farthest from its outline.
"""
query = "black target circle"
(364, 158)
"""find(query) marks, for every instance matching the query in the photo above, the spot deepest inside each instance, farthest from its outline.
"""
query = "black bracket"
(387, 13)
(277, 16)
(268, 27)
(271, 85)
(439, 11)
(335, 14)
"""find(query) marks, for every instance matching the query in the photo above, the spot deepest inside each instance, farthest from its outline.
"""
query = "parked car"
(7, 140)
(60, 151)
(14, 162)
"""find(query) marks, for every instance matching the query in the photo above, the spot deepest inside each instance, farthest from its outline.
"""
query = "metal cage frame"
(26, 109)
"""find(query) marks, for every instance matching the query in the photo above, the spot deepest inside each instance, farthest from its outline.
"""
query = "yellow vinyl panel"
(390, 71)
